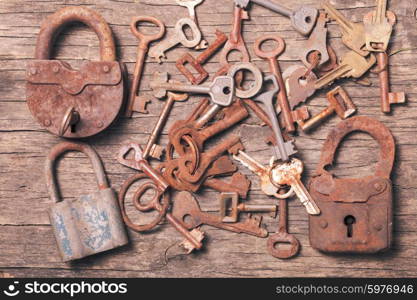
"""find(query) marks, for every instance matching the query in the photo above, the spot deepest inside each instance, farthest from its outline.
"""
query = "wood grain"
(28, 246)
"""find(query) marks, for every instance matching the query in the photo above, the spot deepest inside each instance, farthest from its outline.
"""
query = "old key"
(189, 214)
(353, 34)
(191, 5)
(272, 58)
(289, 173)
(351, 65)
(283, 150)
(302, 19)
(178, 37)
(144, 41)
(290, 246)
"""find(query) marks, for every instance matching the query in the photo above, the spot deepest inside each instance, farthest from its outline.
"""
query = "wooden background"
(27, 243)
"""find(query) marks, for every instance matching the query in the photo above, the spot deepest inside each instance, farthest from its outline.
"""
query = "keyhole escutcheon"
(349, 221)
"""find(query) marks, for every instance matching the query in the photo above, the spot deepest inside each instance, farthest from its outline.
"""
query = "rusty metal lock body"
(91, 224)
(95, 91)
(356, 213)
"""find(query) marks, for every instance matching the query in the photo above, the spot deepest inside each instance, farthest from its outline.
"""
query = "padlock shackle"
(367, 125)
(62, 148)
(54, 23)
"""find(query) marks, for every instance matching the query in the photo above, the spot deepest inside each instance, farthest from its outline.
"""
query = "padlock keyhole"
(349, 221)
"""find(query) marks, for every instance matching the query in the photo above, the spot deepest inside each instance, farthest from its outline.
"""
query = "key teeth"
(198, 235)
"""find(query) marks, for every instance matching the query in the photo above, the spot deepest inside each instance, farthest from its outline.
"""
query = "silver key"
(290, 174)
(191, 5)
(178, 37)
(221, 90)
(283, 150)
(302, 19)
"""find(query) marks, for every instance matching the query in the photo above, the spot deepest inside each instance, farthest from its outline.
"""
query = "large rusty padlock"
(68, 102)
(356, 213)
(91, 224)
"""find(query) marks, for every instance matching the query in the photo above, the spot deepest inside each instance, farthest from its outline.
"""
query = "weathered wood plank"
(28, 244)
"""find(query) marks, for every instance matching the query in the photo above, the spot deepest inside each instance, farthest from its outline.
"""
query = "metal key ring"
(246, 94)
(272, 53)
(155, 204)
(145, 39)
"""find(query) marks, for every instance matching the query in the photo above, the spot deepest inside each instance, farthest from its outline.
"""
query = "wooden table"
(28, 246)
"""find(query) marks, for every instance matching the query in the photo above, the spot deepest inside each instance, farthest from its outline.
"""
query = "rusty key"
(140, 164)
(196, 63)
(235, 42)
(387, 97)
(340, 103)
(144, 41)
(150, 146)
(283, 244)
(272, 58)
(237, 207)
(189, 214)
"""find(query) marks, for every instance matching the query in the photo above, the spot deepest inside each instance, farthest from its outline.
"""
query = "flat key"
(143, 47)
(290, 174)
(221, 90)
(191, 5)
(351, 65)
(178, 37)
(353, 34)
(263, 173)
(378, 27)
(283, 150)
(302, 19)
(187, 211)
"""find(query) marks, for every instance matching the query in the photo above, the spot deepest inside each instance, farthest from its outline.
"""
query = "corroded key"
(236, 207)
(378, 28)
(290, 174)
(187, 211)
(353, 34)
(351, 65)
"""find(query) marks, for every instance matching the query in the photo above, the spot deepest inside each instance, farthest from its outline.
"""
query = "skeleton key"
(378, 27)
(189, 214)
(282, 236)
(289, 173)
(190, 5)
(236, 207)
(235, 41)
(283, 150)
(179, 37)
(263, 172)
(272, 58)
(144, 41)
(353, 34)
(172, 98)
(302, 19)
(351, 65)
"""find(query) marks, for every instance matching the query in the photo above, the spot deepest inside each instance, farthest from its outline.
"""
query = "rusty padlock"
(68, 102)
(91, 224)
(356, 213)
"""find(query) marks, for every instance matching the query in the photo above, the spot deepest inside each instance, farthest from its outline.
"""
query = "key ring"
(274, 53)
(145, 39)
(159, 203)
